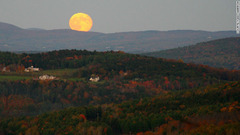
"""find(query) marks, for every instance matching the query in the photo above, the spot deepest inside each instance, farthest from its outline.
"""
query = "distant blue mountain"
(13, 38)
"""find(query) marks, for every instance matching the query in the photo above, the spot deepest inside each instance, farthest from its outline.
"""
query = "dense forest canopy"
(214, 109)
(135, 95)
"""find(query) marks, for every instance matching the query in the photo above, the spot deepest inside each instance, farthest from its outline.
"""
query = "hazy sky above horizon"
(123, 15)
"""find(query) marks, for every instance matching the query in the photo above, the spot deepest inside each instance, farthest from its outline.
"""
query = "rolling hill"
(122, 77)
(135, 95)
(13, 38)
(222, 53)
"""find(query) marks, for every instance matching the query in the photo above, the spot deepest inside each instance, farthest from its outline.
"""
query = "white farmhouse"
(31, 69)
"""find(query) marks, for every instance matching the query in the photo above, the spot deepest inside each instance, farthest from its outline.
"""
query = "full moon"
(80, 22)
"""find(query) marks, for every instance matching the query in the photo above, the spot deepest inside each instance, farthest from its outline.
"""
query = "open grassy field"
(77, 79)
(13, 78)
(61, 73)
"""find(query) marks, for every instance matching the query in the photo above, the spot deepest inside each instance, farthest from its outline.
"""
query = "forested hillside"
(135, 94)
(222, 53)
(210, 110)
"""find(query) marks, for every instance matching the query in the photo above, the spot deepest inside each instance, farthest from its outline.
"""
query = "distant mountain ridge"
(223, 53)
(13, 38)
(35, 29)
